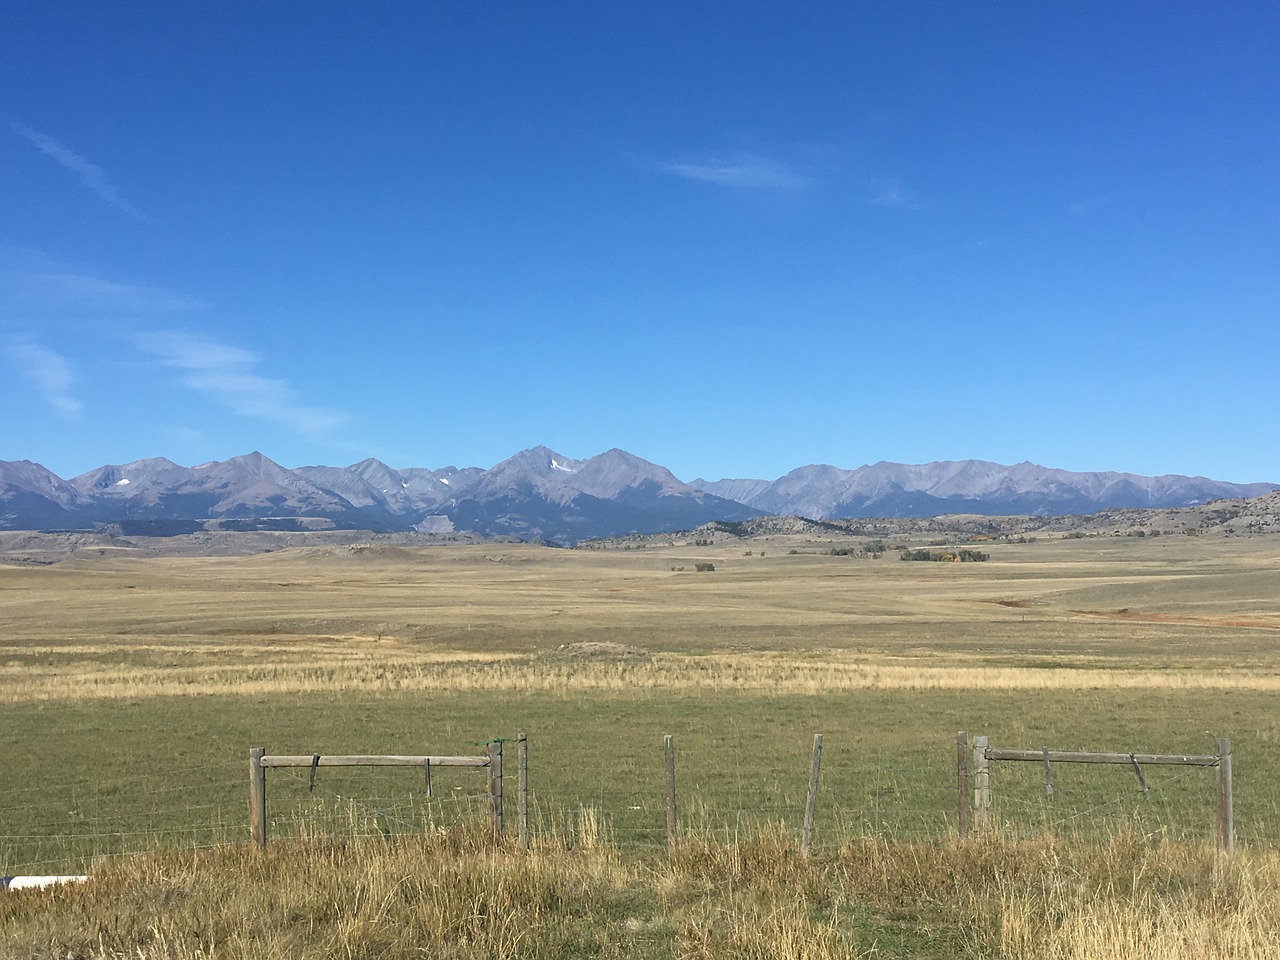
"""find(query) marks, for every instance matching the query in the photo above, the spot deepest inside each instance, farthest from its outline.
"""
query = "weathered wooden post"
(670, 751)
(811, 802)
(522, 798)
(1226, 816)
(981, 785)
(257, 798)
(962, 783)
(495, 787)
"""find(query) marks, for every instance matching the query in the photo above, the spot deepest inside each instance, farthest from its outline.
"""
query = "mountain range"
(539, 494)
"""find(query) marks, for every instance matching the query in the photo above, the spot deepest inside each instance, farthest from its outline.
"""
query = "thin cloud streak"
(892, 194)
(83, 290)
(893, 198)
(1096, 202)
(227, 375)
(33, 281)
(912, 259)
(744, 170)
(51, 375)
(91, 175)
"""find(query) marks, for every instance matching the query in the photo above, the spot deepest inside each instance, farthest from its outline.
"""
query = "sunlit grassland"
(134, 688)
(456, 895)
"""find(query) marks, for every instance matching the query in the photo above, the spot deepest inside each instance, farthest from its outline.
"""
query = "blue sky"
(730, 238)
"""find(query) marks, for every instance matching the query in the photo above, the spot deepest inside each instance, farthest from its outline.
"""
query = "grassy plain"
(135, 686)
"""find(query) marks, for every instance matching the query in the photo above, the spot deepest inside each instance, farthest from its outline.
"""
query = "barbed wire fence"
(723, 792)
(63, 828)
(1177, 806)
(1182, 797)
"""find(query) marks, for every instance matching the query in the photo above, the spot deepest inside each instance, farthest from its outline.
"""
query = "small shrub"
(705, 567)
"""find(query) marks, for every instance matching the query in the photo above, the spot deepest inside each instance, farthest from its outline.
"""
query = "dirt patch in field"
(1257, 623)
(597, 650)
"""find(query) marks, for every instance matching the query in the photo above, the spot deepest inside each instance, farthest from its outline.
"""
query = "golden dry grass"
(1231, 911)
(313, 669)
(1155, 615)
(454, 894)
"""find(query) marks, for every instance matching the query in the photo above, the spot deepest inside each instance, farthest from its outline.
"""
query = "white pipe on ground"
(36, 883)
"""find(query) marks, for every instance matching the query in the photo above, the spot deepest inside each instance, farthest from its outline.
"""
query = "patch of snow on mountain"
(561, 467)
(445, 481)
(122, 482)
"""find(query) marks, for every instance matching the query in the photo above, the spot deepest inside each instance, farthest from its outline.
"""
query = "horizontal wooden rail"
(984, 754)
(372, 761)
(1071, 756)
(260, 762)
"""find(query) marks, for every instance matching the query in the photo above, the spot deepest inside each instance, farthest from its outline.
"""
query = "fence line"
(881, 792)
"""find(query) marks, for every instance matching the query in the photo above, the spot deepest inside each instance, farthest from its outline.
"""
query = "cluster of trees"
(871, 549)
(945, 556)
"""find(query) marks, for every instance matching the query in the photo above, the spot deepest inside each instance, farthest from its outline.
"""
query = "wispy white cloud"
(924, 256)
(91, 175)
(891, 193)
(228, 375)
(188, 352)
(55, 288)
(1096, 202)
(740, 170)
(35, 284)
(51, 374)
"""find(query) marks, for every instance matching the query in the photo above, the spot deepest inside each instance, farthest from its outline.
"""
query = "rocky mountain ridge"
(945, 487)
(539, 494)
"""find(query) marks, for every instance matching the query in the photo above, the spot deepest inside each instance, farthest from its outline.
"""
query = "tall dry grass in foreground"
(1176, 906)
(573, 895)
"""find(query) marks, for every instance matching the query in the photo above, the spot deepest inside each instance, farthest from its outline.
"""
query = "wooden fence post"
(257, 798)
(962, 783)
(1226, 816)
(522, 763)
(495, 787)
(811, 802)
(981, 785)
(670, 751)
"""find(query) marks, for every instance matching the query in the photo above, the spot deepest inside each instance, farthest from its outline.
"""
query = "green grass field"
(135, 687)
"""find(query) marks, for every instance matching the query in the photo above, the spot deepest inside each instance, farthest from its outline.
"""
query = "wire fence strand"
(877, 792)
